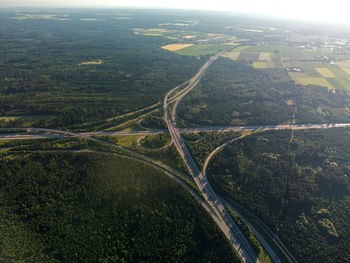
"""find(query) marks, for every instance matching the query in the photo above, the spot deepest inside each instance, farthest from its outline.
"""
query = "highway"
(23, 136)
(263, 242)
(134, 112)
(267, 127)
(222, 217)
(37, 133)
(214, 205)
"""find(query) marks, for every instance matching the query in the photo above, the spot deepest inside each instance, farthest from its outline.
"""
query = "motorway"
(224, 221)
(268, 127)
(34, 133)
(263, 242)
(214, 205)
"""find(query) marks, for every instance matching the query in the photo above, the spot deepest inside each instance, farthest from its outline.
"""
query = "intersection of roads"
(212, 203)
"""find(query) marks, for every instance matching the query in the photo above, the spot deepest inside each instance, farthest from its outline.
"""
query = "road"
(265, 229)
(134, 112)
(222, 217)
(38, 133)
(33, 133)
(267, 127)
(215, 205)
(263, 242)
(217, 209)
(192, 83)
(23, 136)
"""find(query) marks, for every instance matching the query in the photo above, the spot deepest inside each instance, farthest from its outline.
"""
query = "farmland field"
(231, 55)
(265, 56)
(97, 62)
(248, 56)
(314, 81)
(234, 53)
(333, 76)
(259, 65)
(176, 47)
(202, 49)
(325, 72)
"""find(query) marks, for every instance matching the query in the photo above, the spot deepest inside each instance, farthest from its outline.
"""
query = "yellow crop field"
(259, 65)
(187, 37)
(89, 19)
(325, 72)
(162, 30)
(97, 62)
(290, 102)
(265, 56)
(152, 34)
(314, 81)
(176, 47)
(7, 119)
(40, 16)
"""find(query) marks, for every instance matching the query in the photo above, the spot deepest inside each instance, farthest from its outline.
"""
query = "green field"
(325, 72)
(231, 55)
(202, 49)
(318, 73)
(260, 60)
(314, 81)
(234, 53)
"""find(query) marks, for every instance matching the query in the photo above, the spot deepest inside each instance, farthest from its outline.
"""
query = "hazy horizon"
(311, 10)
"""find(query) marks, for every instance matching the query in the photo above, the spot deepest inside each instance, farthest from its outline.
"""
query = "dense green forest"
(234, 93)
(89, 208)
(202, 144)
(297, 183)
(42, 78)
(154, 120)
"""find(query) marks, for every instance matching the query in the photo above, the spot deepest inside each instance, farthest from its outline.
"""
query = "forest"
(68, 200)
(296, 183)
(70, 207)
(233, 93)
(44, 81)
(202, 144)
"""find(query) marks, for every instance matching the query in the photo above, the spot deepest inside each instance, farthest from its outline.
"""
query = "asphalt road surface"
(222, 218)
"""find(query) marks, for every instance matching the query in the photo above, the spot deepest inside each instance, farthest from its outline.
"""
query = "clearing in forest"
(96, 62)
(201, 49)
(176, 47)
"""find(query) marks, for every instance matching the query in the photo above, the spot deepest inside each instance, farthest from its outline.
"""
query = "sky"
(314, 10)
